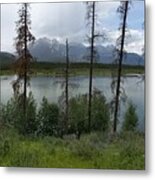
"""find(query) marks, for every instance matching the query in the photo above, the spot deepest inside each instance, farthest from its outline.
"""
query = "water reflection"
(46, 86)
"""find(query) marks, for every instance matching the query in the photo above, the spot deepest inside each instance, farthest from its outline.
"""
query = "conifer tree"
(24, 58)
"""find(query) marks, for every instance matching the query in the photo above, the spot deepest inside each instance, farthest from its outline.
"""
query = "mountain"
(54, 51)
(46, 50)
(6, 58)
(107, 56)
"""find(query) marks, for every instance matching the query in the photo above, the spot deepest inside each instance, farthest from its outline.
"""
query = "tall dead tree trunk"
(124, 10)
(91, 66)
(66, 79)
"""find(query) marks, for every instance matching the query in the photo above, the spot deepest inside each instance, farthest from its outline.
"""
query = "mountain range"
(46, 50)
(54, 51)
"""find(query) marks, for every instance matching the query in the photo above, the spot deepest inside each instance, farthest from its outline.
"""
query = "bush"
(48, 118)
(130, 119)
(8, 113)
(100, 112)
(88, 147)
(27, 125)
(12, 115)
(78, 113)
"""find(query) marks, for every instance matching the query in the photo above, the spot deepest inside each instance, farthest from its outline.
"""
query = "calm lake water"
(47, 86)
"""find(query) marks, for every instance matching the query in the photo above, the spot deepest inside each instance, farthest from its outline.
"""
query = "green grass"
(125, 151)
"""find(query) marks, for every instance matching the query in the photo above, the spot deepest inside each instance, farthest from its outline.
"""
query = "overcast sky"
(68, 20)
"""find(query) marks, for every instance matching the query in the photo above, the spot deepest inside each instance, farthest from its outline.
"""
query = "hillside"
(6, 59)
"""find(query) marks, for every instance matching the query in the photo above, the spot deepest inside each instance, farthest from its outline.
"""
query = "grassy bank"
(124, 151)
(56, 69)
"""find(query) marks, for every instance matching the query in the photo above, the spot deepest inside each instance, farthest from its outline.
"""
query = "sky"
(68, 20)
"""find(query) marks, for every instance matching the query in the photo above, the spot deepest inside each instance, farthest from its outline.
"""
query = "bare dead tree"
(91, 18)
(66, 79)
(65, 85)
(123, 10)
(93, 55)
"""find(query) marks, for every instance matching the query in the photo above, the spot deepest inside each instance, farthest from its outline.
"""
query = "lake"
(51, 89)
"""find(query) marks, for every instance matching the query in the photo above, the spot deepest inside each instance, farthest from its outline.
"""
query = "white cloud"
(57, 19)
(8, 18)
(66, 20)
(134, 41)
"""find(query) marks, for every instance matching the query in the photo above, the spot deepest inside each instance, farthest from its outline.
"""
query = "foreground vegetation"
(41, 140)
(96, 150)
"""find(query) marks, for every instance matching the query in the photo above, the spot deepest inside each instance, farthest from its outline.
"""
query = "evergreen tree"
(24, 58)
(130, 119)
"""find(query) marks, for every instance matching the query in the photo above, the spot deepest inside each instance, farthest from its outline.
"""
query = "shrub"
(88, 147)
(8, 113)
(12, 115)
(48, 118)
(78, 113)
(100, 112)
(29, 125)
(130, 119)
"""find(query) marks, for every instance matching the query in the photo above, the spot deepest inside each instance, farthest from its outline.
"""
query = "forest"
(59, 124)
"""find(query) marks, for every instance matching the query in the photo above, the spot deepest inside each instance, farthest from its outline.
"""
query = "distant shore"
(76, 69)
